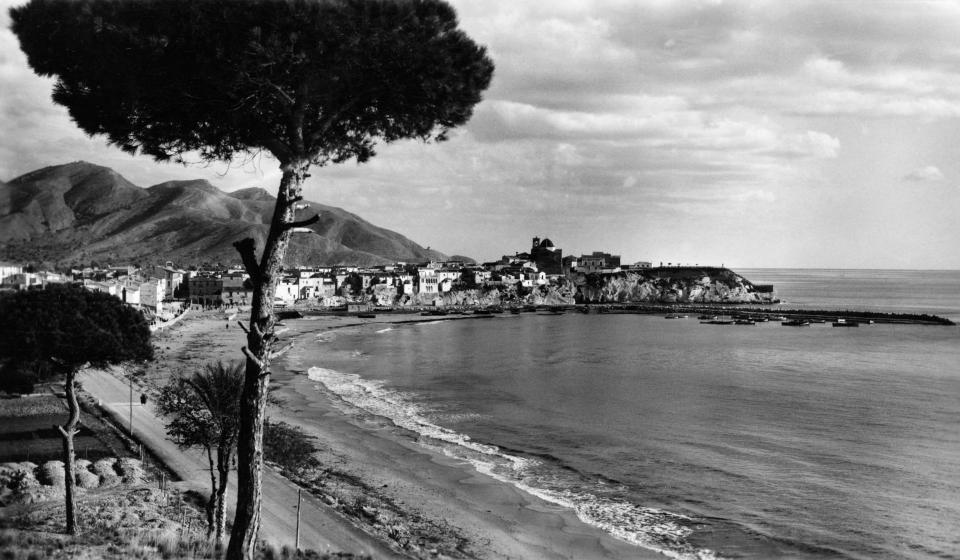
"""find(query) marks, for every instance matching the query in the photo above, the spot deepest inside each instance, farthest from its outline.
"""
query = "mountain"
(79, 212)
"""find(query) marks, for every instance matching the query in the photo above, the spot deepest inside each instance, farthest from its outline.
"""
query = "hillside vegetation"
(81, 212)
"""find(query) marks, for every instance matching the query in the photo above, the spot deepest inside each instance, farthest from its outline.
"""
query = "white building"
(8, 269)
(152, 293)
(429, 283)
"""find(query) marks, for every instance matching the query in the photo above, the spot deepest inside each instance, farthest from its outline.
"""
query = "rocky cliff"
(670, 285)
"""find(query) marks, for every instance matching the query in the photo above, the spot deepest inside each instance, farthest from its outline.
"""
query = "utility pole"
(130, 378)
(299, 497)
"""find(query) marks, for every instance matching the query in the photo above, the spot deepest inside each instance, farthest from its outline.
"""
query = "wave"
(388, 329)
(650, 528)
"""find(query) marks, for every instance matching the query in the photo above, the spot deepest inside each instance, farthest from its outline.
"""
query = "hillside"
(81, 212)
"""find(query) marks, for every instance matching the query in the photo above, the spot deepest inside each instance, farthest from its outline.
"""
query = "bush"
(288, 446)
(18, 378)
(104, 468)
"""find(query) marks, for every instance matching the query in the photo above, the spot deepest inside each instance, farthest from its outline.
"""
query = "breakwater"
(822, 314)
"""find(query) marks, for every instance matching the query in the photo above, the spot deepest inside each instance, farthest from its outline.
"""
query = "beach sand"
(399, 489)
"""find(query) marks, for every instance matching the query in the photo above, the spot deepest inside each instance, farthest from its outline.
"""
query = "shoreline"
(376, 476)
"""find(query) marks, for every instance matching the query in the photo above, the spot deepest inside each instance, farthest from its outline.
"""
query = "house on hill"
(547, 257)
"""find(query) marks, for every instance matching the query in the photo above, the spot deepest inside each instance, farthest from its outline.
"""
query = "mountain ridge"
(81, 212)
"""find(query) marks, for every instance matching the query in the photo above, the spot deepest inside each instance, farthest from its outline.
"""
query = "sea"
(699, 441)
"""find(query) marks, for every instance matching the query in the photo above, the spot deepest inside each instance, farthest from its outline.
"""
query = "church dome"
(546, 244)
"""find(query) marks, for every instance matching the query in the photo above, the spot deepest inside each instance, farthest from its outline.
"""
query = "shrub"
(104, 468)
(288, 446)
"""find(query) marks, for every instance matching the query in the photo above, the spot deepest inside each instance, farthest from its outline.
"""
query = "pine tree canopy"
(320, 80)
(67, 326)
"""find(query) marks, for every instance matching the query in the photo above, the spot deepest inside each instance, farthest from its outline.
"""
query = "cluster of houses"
(164, 289)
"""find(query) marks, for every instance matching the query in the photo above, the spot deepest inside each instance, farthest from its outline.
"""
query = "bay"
(756, 442)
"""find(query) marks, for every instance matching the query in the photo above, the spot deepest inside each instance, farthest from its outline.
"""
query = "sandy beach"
(378, 477)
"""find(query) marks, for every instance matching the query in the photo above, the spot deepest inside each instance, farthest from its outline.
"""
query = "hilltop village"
(540, 276)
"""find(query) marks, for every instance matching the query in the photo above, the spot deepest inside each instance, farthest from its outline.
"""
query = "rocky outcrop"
(670, 285)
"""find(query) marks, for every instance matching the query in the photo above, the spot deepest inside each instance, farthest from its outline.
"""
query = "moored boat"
(796, 323)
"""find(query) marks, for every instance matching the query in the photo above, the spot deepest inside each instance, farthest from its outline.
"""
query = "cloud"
(928, 174)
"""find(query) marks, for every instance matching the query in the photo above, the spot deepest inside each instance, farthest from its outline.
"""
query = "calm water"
(755, 442)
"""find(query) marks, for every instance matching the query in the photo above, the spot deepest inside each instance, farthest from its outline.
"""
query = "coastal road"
(321, 528)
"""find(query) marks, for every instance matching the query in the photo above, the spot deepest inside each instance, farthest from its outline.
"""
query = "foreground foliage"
(203, 410)
(65, 327)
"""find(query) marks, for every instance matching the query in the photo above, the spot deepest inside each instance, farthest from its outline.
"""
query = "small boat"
(796, 323)
(744, 322)
(717, 322)
(845, 323)
(672, 317)
(366, 316)
(707, 317)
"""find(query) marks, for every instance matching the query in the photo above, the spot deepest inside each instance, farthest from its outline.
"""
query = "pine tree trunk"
(253, 400)
(68, 431)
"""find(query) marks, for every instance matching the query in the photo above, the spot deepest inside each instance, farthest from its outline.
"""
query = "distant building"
(152, 293)
(547, 257)
(173, 277)
(205, 290)
(8, 269)
(598, 262)
(429, 282)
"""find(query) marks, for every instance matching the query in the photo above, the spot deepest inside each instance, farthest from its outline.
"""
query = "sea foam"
(650, 528)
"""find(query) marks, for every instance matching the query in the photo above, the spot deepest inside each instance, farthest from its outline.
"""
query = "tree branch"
(247, 249)
(302, 223)
(281, 351)
(334, 115)
(252, 358)
(243, 327)
(65, 433)
(284, 95)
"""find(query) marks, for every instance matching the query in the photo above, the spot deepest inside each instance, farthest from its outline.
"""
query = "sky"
(753, 134)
